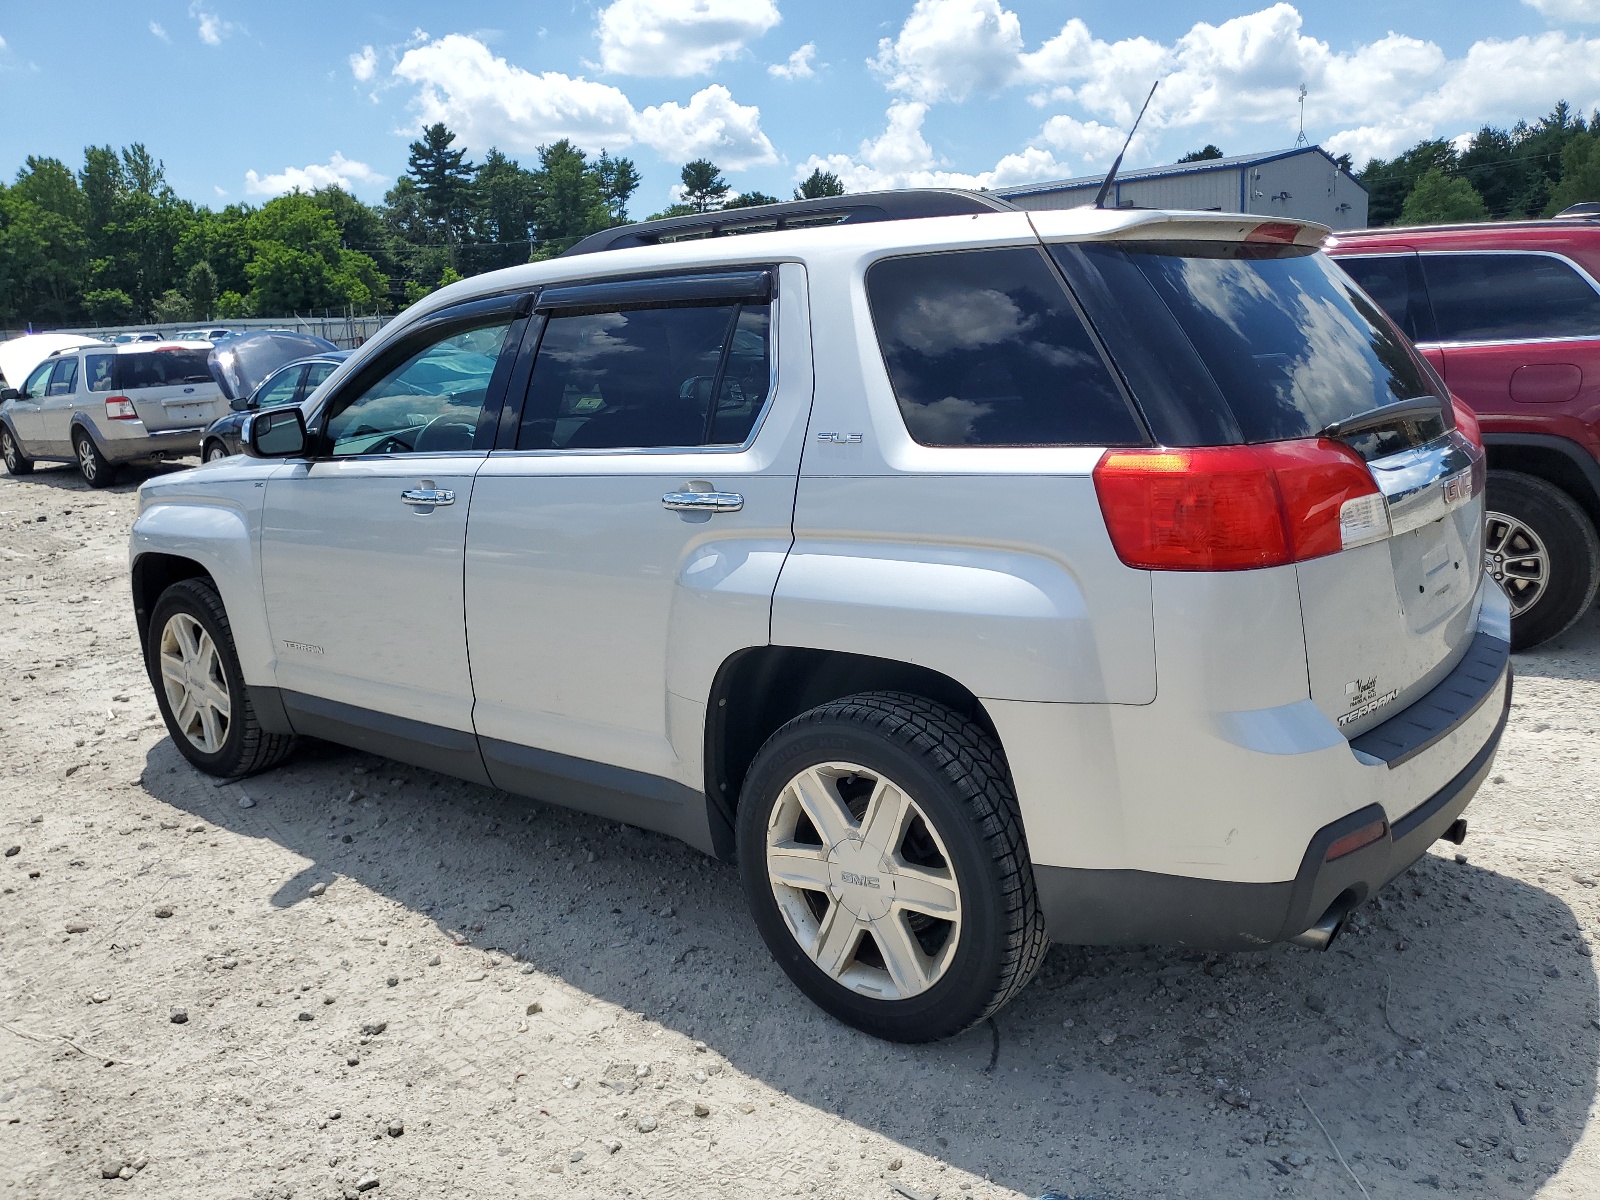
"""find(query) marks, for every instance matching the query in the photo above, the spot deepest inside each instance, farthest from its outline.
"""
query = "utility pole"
(1301, 140)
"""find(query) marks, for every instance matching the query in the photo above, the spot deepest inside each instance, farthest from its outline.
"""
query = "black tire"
(246, 749)
(97, 470)
(17, 463)
(956, 774)
(1569, 541)
(214, 451)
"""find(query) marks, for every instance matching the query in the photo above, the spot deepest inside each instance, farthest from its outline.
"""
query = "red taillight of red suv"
(1467, 423)
(1236, 508)
(120, 408)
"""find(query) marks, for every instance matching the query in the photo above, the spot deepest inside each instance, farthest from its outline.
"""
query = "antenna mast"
(1111, 175)
(1301, 140)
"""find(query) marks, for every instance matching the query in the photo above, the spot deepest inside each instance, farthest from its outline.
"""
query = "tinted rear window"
(984, 348)
(1284, 343)
(1509, 297)
(162, 368)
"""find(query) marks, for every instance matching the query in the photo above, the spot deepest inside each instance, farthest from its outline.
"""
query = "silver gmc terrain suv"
(974, 578)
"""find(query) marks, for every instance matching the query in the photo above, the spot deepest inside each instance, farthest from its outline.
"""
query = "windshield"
(1286, 344)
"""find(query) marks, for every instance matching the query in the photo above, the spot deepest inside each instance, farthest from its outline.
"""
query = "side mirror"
(9, 394)
(240, 404)
(276, 433)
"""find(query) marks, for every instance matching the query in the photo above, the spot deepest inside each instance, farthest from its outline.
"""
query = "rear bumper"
(147, 444)
(1109, 907)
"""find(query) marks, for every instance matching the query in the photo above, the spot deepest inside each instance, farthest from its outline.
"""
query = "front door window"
(428, 404)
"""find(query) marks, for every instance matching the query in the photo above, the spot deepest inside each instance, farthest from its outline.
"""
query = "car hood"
(241, 364)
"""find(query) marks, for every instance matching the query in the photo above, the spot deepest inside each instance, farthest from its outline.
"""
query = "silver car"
(101, 406)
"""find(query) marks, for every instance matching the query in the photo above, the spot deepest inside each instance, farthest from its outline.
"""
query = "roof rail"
(796, 214)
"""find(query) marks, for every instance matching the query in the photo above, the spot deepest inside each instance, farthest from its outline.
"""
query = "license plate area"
(1434, 573)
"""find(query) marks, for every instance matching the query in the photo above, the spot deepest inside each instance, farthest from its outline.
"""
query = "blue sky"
(242, 101)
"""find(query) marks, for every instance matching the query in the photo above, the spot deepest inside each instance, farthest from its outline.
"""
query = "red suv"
(1509, 314)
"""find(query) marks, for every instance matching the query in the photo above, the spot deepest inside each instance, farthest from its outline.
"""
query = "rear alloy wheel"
(1542, 549)
(199, 687)
(96, 469)
(17, 463)
(882, 856)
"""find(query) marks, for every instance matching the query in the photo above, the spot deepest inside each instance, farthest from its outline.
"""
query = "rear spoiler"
(1142, 225)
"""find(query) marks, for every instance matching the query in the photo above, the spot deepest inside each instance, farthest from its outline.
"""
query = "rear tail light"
(1467, 423)
(1235, 508)
(120, 408)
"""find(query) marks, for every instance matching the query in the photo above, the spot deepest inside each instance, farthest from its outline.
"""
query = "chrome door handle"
(703, 501)
(432, 497)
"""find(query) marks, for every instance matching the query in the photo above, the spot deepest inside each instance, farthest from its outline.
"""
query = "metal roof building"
(1304, 182)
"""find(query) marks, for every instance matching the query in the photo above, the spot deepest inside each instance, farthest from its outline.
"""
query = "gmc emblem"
(1458, 488)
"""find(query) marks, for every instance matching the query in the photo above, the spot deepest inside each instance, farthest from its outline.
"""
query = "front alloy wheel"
(863, 881)
(199, 687)
(196, 687)
(881, 852)
(17, 463)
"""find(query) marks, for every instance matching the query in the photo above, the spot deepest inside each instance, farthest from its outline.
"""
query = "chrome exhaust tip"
(1320, 936)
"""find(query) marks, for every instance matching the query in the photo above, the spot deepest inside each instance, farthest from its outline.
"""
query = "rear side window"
(99, 367)
(162, 368)
(686, 375)
(1509, 297)
(1395, 282)
(1280, 338)
(984, 348)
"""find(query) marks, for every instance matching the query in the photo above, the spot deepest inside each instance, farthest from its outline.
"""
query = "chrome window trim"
(774, 348)
(1543, 341)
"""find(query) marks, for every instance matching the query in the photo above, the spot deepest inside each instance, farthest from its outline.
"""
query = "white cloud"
(948, 49)
(338, 171)
(901, 157)
(1587, 11)
(364, 64)
(160, 31)
(212, 28)
(1239, 79)
(798, 65)
(679, 37)
(711, 126)
(488, 101)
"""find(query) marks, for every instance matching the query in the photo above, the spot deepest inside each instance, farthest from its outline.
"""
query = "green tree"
(443, 179)
(508, 197)
(1580, 174)
(171, 308)
(618, 181)
(570, 203)
(1440, 199)
(750, 200)
(703, 185)
(108, 306)
(1388, 183)
(818, 184)
(43, 246)
(1204, 154)
(298, 264)
(200, 289)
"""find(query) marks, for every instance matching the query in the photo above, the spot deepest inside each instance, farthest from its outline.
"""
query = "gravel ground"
(350, 977)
